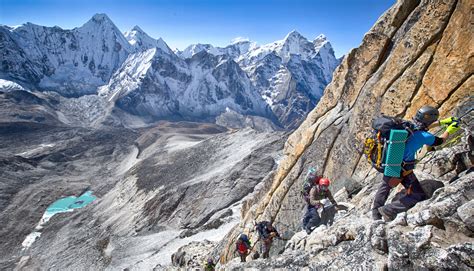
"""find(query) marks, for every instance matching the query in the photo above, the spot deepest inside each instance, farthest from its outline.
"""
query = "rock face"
(418, 52)
(192, 255)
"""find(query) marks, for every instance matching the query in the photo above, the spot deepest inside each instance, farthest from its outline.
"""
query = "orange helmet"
(324, 182)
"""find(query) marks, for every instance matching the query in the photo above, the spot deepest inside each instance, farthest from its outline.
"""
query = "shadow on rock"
(429, 186)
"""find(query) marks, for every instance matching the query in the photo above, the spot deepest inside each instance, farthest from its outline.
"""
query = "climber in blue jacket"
(425, 117)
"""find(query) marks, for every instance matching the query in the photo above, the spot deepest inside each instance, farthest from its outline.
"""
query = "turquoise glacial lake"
(70, 203)
(63, 205)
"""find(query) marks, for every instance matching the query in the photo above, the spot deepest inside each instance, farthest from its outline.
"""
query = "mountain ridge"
(88, 60)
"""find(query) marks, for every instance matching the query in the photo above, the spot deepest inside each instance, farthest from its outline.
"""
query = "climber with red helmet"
(318, 192)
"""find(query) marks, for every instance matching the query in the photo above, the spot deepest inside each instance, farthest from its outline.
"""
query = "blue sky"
(183, 22)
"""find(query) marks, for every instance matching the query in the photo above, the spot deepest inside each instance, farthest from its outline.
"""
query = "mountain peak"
(137, 29)
(321, 42)
(294, 34)
(101, 17)
(140, 39)
(319, 39)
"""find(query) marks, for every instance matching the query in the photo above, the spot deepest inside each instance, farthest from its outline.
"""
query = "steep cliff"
(418, 52)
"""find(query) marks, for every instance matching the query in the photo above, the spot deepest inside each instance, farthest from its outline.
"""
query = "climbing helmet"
(426, 115)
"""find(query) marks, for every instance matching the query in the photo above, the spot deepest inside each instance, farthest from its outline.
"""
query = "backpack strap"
(406, 172)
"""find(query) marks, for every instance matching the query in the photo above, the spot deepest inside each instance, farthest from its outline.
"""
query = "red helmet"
(324, 182)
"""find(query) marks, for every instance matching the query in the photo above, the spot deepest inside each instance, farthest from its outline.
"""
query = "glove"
(453, 128)
(448, 121)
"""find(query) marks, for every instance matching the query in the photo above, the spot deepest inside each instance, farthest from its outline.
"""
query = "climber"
(318, 192)
(424, 118)
(266, 233)
(210, 265)
(243, 247)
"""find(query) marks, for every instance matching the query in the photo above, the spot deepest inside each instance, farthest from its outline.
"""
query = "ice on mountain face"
(7, 86)
(72, 62)
(292, 73)
(219, 84)
(197, 48)
(125, 79)
(148, 84)
(325, 53)
(156, 84)
(319, 41)
(293, 44)
(235, 50)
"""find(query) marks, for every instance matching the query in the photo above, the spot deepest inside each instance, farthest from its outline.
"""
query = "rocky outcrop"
(418, 52)
(192, 255)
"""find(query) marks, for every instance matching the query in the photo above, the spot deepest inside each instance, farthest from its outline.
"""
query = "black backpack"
(263, 229)
(309, 182)
(376, 145)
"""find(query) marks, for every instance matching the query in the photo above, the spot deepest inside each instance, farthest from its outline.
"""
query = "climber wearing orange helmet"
(317, 193)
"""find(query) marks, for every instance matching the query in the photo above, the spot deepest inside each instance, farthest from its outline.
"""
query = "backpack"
(263, 229)
(309, 182)
(242, 246)
(375, 146)
(245, 240)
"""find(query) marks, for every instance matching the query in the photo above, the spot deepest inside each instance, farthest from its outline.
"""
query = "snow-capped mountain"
(281, 81)
(161, 85)
(293, 44)
(141, 41)
(193, 49)
(325, 53)
(71, 62)
(234, 50)
(289, 74)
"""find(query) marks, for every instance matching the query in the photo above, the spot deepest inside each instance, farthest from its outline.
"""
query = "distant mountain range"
(281, 81)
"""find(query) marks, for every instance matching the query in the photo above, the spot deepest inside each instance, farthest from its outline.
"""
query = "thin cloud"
(239, 39)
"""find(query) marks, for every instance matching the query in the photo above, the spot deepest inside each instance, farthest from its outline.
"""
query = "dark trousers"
(414, 193)
(311, 218)
(243, 257)
(265, 247)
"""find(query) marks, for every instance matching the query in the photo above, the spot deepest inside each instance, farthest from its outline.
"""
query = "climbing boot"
(385, 215)
(376, 215)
